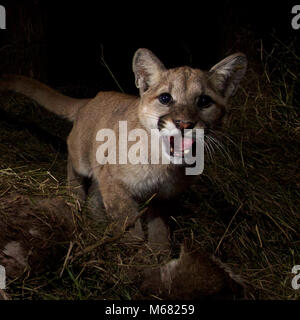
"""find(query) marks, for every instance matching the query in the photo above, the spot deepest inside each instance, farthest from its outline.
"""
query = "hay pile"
(33, 233)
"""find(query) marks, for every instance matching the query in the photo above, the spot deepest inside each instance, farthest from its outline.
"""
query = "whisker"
(224, 149)
(209, 148)
(209, 153)
(213, 142)
(217, 133)
(221, 148)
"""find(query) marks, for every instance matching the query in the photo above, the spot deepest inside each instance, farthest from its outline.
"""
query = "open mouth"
(180, 146)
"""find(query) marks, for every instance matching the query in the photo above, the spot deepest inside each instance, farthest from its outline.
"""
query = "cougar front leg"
(158, 229)
(94, 203)
(77, 184)
(122, 208)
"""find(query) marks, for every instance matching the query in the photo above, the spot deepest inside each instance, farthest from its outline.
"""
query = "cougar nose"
(184, 124)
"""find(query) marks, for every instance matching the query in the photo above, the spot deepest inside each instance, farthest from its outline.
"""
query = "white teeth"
(186, 151)
(172, 149)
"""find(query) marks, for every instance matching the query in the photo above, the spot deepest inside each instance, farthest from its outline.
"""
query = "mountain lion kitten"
(171, 101)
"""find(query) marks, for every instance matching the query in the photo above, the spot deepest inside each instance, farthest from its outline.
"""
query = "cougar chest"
(145, 180)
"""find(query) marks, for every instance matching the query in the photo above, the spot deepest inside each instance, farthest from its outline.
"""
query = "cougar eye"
(165, 98)
(204, 101)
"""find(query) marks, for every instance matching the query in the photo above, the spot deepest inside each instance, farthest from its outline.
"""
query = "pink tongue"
(186, 143)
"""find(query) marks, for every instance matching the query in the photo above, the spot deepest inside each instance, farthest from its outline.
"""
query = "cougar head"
(179, 101)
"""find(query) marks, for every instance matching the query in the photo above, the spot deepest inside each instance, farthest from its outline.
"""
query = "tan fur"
(123, 186)
(52, 100)
(194, 275)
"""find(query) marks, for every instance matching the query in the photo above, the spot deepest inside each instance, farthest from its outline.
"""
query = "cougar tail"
(50, 99)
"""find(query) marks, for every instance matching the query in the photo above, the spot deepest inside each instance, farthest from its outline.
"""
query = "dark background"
(60, 42)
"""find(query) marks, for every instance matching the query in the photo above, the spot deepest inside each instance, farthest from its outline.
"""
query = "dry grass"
(245, 209)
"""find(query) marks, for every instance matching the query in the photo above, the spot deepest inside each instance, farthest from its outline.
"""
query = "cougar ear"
(147, 69)
(227, 74)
